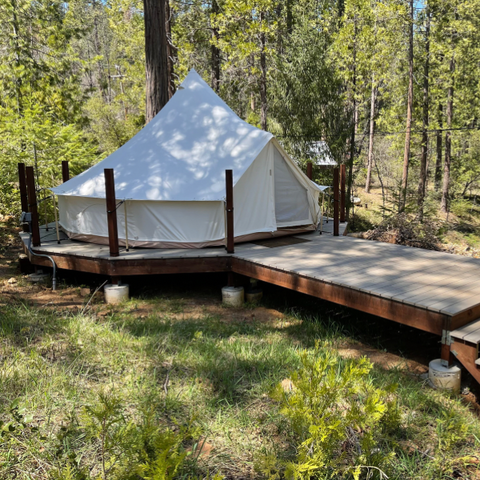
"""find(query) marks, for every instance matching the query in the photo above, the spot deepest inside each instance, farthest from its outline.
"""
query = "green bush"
(341, 422)
(106, 443)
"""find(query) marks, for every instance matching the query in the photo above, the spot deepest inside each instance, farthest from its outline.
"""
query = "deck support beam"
(111, 212)
(22, 185)
(446, 355)
(32, 206)
(230, 240)
(336, 218)
(467, 353)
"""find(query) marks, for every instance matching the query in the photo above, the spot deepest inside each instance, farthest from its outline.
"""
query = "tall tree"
(263, 75)
(156, 56)
(439, 150)
(215, 68)
(424, 155)
(408, 130)
(448, 141)
(307, 97)
(247, 34)
(370, 137)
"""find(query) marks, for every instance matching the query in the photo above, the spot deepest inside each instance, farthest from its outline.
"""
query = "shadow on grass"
(22, 324)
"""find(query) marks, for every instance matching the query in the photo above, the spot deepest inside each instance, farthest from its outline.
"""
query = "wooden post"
(23, 191)
(309, 170)
(111, 212)
(343, 176)
(65, 171)
(32, 206)
(445, 355)
(230, 218)
(336, 217)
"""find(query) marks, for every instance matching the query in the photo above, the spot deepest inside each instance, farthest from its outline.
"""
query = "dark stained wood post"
(111, 212)
(23, 191)
(445, 355)
(65, 171)
(32, 206)
(230, 219)
(343, 177)
(309, 170)
(336, 217)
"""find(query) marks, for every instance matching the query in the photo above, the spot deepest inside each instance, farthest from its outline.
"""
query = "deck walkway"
(433, 291)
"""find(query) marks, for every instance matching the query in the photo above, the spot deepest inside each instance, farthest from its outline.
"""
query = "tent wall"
(253, 196)
(291, 198)
(313, 192)
(271, 194)
(149, 223)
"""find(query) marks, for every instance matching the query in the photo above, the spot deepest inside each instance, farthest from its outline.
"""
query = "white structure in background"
(322, 154)
(172, 177)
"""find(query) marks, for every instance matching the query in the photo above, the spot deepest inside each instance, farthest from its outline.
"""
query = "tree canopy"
(73, 82)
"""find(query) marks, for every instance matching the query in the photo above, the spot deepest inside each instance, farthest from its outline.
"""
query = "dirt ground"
(14, 287)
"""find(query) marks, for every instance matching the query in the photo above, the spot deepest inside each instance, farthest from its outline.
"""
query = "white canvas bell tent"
(171, 176)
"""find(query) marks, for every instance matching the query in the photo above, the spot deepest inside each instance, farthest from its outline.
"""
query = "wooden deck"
(433, 291)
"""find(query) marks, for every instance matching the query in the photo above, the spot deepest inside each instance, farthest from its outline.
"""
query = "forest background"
(392, 86)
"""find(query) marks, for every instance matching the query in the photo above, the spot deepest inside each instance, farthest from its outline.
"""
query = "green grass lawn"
(99, 395)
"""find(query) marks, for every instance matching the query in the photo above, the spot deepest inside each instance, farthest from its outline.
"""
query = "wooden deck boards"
(468, 333)
(435, 281)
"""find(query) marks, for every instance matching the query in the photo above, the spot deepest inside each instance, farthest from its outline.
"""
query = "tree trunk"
(156, 57)
(215, 52)
(171, 53)
(102, 83)
(424, 157)
(448, 141)
(355, 122)
(370, 140)
(289, 17)
(438, 165)
(263, 78)
(18, 79)
(406, 154)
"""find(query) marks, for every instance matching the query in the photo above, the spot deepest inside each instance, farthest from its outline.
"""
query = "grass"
(204, 373)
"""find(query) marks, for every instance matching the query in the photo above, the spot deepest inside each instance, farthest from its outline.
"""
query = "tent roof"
(182, 154)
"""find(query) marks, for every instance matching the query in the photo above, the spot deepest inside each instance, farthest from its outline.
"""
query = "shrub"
(405, 230)
(339, 419)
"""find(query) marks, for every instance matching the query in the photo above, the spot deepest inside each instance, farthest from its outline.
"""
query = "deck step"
(468, 333)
